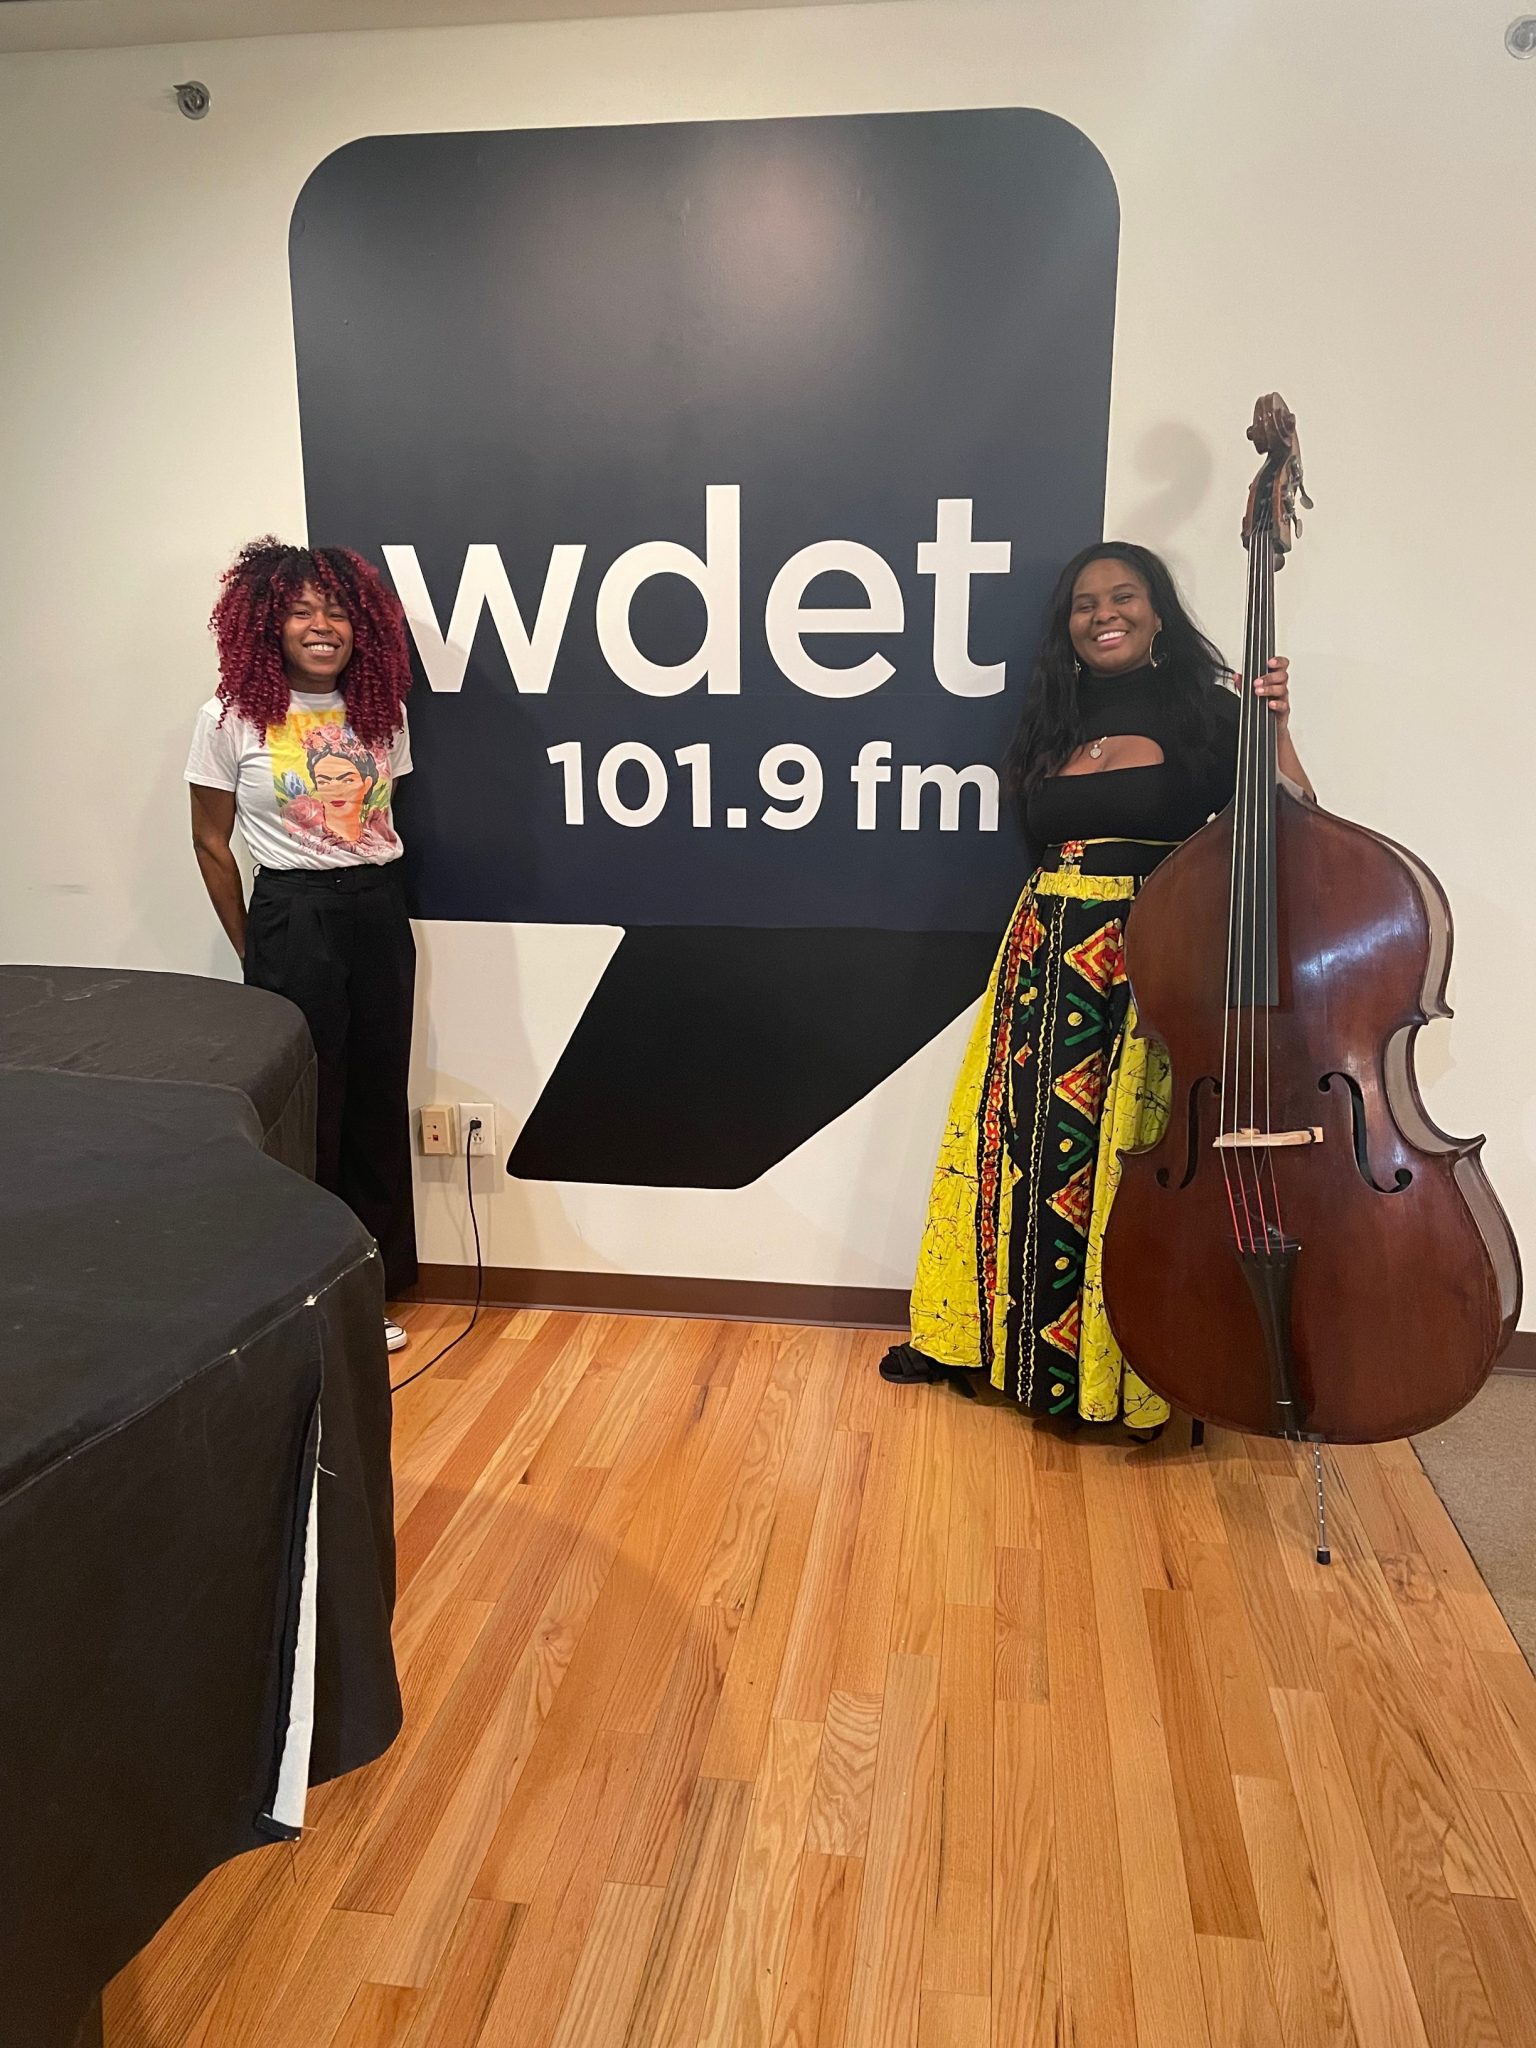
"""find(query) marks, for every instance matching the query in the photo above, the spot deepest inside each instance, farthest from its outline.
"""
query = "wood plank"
(1504, 1945)
(805, 1685)
(607, 1980)
(866, 1397)
(1226, 1453)
(591, 1399)
(1282, 1626)
(534, 1812)
(1141, 1511)
(845, 1776)
(1510, 1818)
(1409, 1812)
(888, 1952)
(1483, 1626)
(747, 1519)
(1027, 2009)
(1159, 1922)
(1232, 1660)
(519, 1718)
(1292, 1504)
(315, 2002)
(740, 1725)
(1019, 1649)
(394, 1853)
(954, 2019)
(1512, 1684)
(532, 1992)
(454, 2004)
(864, 1643)
(668, 1361)
(380, 2016)
(1375, 1973)
(1094, 1944)
(1239, 1999)
(1473, 1718)
(594, 1617)
(1303, 1963)
(812, 2008)
(654, 1825)
(1215, 1856)
(1360, 1472)
(539, 1377)
(917, 1606)
(972, 1502)
(413, 1412)
(1367, 1645)
(1016, 1491)
(442, 1878)
(749, 1966)
(668, 2011)
(957, 1952)
(1184, 1502)
(693, 1518)
(1438, 1540)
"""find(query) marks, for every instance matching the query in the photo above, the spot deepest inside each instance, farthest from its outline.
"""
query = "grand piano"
(196, 1547)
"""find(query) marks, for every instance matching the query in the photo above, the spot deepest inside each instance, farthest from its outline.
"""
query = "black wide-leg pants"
(337, 943)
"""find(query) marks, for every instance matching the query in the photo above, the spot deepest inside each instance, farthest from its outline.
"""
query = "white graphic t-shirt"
(308, 793)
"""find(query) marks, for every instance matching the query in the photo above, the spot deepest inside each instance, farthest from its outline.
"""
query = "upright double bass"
(1302, 1253)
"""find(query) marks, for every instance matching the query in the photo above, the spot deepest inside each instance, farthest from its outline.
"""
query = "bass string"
(1250, 929)
(1252, 867)
(1231, 1056)
(1271, 877)
(1244, 910)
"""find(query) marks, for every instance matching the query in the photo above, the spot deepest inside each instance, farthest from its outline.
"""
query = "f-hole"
(1403, 1178)
(1165, 1177)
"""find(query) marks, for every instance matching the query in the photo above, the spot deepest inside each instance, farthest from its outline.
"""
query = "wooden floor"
(751, 1701)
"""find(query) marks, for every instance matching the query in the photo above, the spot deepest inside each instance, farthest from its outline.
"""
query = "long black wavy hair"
(1050, 726)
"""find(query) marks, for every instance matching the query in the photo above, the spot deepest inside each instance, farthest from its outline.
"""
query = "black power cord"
(469, 1189)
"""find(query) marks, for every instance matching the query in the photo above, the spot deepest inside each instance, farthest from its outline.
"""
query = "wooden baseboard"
(722, 1301)
(646, 1294)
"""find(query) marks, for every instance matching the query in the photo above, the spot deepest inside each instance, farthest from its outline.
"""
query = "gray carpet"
(1483, 1466)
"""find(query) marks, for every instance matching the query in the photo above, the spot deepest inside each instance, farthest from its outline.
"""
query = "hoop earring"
(1153, 656)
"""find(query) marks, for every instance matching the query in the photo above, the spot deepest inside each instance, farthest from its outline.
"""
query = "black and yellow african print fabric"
(1053, 1086)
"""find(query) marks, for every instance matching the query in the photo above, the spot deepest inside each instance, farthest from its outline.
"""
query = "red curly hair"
(257, 592)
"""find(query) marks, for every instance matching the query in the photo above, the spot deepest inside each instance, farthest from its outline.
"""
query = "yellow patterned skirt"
(1054, 1085)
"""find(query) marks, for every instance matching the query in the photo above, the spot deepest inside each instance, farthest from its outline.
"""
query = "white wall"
(1332, 201)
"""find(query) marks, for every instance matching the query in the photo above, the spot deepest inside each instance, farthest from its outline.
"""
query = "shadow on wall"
(1178, 464)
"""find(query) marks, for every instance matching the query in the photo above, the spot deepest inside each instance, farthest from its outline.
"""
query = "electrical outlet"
(437, 1128)
(483, 1140)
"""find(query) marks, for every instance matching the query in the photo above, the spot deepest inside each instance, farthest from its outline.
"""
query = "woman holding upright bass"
(302, 746)
(1127, 745)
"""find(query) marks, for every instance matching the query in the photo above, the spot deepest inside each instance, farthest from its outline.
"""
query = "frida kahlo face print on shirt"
(331, 789)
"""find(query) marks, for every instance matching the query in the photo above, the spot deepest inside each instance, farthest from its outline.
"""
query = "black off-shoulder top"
(1167, 801)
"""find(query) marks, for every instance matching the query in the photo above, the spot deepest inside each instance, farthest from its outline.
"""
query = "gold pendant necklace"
(1095, 752)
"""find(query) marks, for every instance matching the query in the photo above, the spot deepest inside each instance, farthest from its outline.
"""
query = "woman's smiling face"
(317, 640)
(1112, 623)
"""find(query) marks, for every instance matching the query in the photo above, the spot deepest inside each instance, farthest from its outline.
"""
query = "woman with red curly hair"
(302, 747)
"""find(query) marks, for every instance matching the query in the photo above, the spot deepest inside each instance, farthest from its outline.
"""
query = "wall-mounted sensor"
(1520, 36)
(193, 98)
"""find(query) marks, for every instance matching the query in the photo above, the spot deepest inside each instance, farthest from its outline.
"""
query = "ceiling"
(114, 24)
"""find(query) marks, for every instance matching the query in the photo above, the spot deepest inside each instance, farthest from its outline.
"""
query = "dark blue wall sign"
(723, 469)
